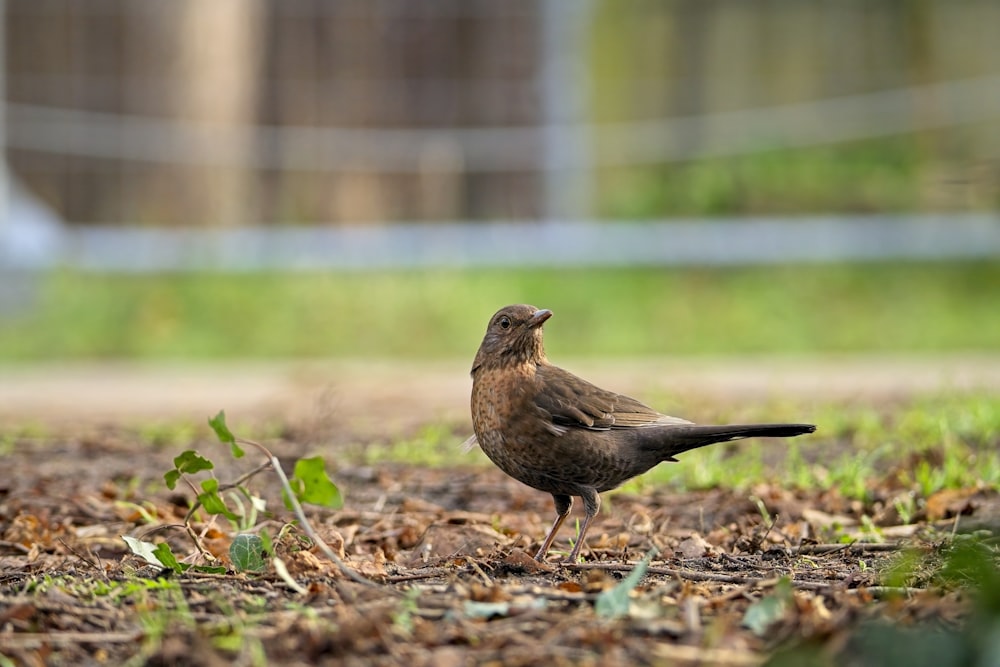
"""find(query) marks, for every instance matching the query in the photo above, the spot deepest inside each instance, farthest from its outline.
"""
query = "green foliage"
(212, 501)
(923, 445)
(615, 602)
(770, 609)
(970, 562)
(167, 558)
(823, 179)
(188, 462)
(311, 484)
(941, 441)
(162, 556)
(248, 553)
(145, 550)
(432, 445)
(796, 309)
(973, 560)
(402, 618)
(218, 424)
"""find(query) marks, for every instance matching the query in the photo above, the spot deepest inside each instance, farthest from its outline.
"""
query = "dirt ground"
(446, 550)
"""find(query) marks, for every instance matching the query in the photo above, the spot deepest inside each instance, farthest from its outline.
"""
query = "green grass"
(923, 446)
(893, 455)
(442, 314)
(879, 175)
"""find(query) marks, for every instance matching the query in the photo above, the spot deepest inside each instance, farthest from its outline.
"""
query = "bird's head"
(513, 337)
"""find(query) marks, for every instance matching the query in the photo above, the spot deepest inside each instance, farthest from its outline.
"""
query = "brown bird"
(560, 434)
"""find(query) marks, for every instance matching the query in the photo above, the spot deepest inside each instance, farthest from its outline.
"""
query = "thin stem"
(301, 515)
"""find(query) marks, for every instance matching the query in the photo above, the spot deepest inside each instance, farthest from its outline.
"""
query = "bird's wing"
(572, 401)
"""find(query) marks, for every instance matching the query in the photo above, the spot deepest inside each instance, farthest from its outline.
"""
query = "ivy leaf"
(266, 544)
(222, 432)
(312, 485)
(167, 558)
(171, 477)
(142, 549)
(191, 462)
(188, 461)
(159, 555)
(247, 553)
(212, 501)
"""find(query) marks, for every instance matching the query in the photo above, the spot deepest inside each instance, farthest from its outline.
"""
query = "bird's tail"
(682, 438)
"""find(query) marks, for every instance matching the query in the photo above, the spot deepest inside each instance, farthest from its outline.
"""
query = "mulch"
(447, 552)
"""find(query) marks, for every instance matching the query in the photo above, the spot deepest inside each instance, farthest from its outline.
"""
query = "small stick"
(300, 513)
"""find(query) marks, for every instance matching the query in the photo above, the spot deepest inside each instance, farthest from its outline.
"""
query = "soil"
(445, 552)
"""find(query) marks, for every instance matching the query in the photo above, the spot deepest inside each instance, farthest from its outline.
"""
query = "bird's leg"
(592, 505)
(563, 505)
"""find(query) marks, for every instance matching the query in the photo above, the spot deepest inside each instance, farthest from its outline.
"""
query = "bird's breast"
(504, 415)
(521, 439)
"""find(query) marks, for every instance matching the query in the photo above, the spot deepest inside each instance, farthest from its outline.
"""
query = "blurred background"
(354, 178)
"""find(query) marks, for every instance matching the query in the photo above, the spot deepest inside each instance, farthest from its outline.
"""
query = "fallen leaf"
(694, 546)
(949, 503)
(614, 603)
(770, 609)
(447, 540)
(521, 560)
(824, 520)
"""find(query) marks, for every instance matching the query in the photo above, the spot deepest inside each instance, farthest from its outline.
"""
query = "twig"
(205, 553)
(86, 560)
(244, 477)
(426, 573)
(475, 566)
(300, 513)
(692, 575)
(886, 591)
(743, 563)
(28, 640)
(197, 504)
(6, 544)
(671, 653)
(731, 594)
(853, 547)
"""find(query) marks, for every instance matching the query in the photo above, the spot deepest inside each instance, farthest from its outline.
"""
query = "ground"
(445, 551)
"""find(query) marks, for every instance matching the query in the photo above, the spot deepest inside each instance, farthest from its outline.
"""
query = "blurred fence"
(743, 241)
(264, 115)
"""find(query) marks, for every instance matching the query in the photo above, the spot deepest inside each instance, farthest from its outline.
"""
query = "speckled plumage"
(560, 434)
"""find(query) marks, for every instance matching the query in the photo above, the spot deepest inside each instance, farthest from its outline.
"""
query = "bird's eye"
(505, 323)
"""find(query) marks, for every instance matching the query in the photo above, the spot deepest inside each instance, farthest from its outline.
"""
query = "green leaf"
(247, 553)
(212, 501)
(155, 554)
(765, 612)
(167, 558)
(191, 462)
(218, 424)
(312, 485)
(171, 477)
(142, 549)
(188, 461)
(266, 543)
(614, 603)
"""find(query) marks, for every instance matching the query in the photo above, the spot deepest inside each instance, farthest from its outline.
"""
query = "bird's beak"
(539, 318)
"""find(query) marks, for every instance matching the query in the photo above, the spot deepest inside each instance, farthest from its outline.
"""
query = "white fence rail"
(740, 241)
